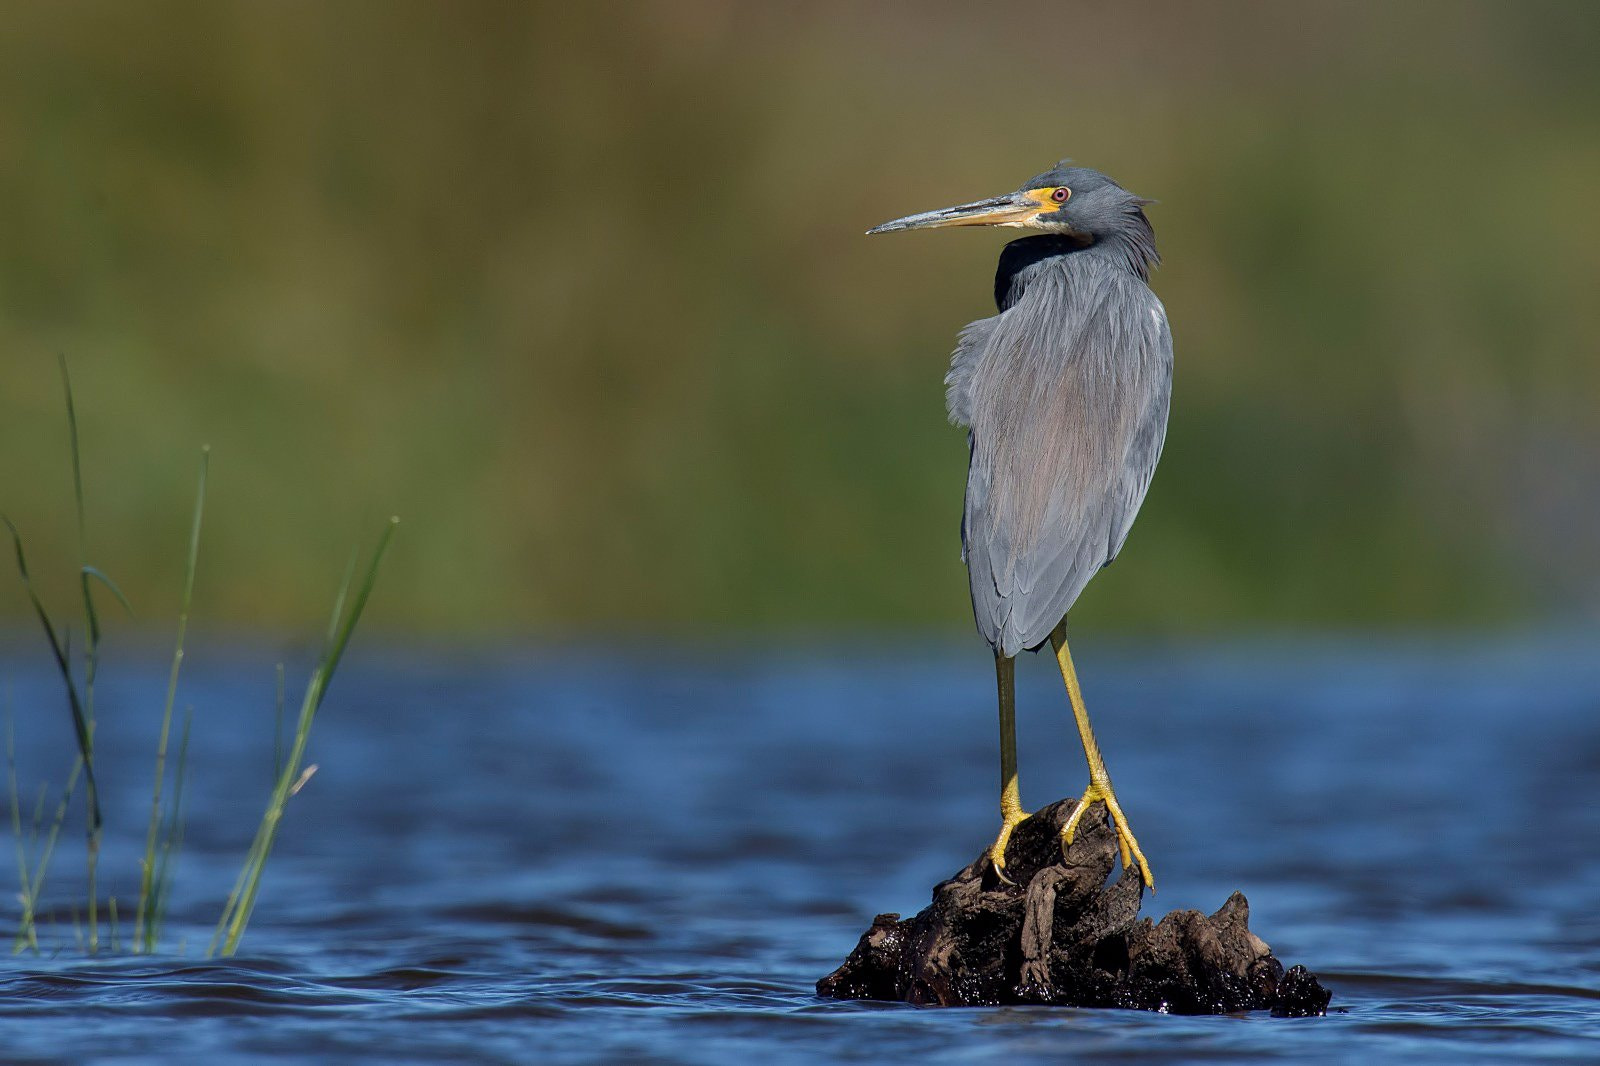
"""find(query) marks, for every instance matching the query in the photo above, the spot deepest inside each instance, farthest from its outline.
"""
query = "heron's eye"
(1061, 194)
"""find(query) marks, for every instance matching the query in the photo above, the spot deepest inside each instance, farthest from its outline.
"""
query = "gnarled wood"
(1062, 935)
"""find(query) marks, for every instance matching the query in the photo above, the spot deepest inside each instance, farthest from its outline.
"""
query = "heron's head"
(1074, 201)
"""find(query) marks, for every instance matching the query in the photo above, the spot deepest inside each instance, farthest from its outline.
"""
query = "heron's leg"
(1011, 812)
(1099, 780)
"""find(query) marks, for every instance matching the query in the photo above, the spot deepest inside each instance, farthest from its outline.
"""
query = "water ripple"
(584, 860)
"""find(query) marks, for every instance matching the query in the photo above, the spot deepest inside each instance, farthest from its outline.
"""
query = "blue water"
(596, 855)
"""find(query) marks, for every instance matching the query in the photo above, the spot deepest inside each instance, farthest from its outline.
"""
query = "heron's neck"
(1020, 255)
(1133, 251)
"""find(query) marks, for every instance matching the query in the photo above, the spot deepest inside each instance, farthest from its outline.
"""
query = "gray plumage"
(1065, 395)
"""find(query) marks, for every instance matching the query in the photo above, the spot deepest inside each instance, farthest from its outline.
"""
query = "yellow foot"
(1126, 843)
(997, 853)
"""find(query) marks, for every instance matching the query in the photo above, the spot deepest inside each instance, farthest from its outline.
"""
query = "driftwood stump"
(1062, 936)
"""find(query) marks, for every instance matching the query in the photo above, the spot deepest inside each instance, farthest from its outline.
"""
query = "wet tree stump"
(1062, 936)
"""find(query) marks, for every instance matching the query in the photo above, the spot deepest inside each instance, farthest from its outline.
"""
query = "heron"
(1064, 396)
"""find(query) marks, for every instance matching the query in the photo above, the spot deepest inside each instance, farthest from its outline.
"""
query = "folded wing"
(1065, 395)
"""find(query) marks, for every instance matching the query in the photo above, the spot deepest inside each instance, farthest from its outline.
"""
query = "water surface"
(574, 854)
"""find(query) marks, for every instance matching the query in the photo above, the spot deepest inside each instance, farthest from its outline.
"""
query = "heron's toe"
(997, 850)
(1127, 843)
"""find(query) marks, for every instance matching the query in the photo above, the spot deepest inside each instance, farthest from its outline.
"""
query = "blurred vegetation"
(580, 290)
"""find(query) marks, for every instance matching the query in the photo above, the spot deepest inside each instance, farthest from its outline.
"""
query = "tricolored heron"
(1064, 395)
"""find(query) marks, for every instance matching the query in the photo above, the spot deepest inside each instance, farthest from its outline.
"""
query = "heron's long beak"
(1012, 209)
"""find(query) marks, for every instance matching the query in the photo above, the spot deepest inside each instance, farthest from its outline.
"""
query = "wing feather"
(1065, 395)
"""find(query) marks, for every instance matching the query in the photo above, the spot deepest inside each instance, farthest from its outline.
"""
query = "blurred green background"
(581, 292)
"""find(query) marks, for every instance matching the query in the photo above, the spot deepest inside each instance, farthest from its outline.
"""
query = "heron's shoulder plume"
(1135, 240)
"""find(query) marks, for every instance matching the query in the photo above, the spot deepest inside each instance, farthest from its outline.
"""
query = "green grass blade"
(91, 654)
(338, 603)
(92, 629)
(144, 937)
(236, 915)
(232, 905)
(58, 648)
(42, 865)
(172, 835)
(72, 434)
(26, 937)
(99, 575)
(91, 617)
(36, 819)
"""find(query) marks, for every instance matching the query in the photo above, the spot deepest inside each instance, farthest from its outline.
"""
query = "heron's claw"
(1126, 843)
(997, 852)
